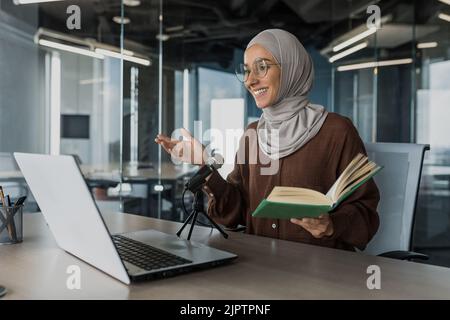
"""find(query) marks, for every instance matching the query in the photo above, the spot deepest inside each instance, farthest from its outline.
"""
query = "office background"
(107, 111)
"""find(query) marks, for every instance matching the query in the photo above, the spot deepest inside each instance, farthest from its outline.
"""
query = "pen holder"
(11, 224)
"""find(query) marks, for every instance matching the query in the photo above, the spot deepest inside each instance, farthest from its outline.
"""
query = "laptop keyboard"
(145, 256)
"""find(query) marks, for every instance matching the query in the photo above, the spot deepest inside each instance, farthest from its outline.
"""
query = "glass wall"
(405, 100)
(431, 119)
(59, 94)
(102, 89)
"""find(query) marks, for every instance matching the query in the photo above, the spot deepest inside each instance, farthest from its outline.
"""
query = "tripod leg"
(224, 234)
(186, 223)
(198, 207)
(192, 224)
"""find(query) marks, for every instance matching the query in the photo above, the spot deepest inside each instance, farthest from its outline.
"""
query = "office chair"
(398, 184)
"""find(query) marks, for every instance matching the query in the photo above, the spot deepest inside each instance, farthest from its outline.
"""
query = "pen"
(2, 197)
(20, 201)
(14, 210)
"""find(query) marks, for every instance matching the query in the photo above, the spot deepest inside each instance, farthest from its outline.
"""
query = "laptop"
(78, 227)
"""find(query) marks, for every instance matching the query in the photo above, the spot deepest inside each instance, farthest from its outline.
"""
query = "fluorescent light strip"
(354, 39)
(426, 45)
(92, 81)
(128, 52)
(107, 52)
(444, 16)
(64, 47)
(374, 64)
(121, 20)
(132, 3)
(17, 2)
(347, 52)
(117, 55)
(445, 1)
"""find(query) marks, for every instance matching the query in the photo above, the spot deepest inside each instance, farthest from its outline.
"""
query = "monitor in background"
(75, 126)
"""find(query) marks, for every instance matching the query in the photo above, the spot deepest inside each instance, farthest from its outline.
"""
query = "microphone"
(212, 164)
(215, 161)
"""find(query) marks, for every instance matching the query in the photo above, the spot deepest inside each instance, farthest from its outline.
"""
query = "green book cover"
(284, 210)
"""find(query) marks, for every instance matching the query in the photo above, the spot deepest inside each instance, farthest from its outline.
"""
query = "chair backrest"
(398, 183)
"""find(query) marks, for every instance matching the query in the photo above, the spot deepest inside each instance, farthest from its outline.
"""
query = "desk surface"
(266, 269)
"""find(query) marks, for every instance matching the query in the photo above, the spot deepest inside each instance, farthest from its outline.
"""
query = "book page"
(355, 175)
(357, 161)
(349, 189)
(298, 196)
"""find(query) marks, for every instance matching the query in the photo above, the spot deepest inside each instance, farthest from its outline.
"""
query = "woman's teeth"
(260, 91)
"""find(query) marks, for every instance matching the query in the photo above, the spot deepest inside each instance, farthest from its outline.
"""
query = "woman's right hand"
(188, 150)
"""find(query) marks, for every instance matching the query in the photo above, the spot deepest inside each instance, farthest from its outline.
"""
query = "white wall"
(227, 125)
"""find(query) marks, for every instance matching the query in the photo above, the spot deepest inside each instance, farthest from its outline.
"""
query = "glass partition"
(430, 120)
(60, 92)
(395, 90)
(99, 79)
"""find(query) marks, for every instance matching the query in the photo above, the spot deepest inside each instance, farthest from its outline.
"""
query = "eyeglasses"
(259, 69)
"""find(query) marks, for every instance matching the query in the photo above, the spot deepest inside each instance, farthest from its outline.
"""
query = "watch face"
(2, 291)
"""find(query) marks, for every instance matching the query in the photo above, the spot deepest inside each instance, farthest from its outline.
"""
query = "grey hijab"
(292, 120)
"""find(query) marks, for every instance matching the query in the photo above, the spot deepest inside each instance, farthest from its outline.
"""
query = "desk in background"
(265, 269)
(171, 177)
(108, 176)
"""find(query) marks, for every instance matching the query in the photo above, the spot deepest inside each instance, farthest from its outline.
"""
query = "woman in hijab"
(310, 146)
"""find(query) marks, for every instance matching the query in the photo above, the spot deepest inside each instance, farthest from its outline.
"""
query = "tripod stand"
(195, 185)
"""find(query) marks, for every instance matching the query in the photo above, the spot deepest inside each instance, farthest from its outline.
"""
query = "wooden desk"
(266, 269)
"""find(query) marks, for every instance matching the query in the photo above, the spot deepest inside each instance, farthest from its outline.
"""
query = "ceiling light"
(374, 64)
(354, 39)
(162, 37)
(87, 47)
(347, 52)
(175, 28)
(92, 81)
(113, 54)
(72, 49)
(445, 1)
(120, 20)
(444, 16)
(132, 3)
(17, 2)
(426, 45)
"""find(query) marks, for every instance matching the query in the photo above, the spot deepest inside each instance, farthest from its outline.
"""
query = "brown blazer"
(316, 165)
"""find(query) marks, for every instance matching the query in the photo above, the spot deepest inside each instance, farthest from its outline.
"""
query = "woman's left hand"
(319, 227)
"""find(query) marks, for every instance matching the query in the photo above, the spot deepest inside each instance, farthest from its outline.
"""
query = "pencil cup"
(11, 224)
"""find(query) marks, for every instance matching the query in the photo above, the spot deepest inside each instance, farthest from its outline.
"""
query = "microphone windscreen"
(216, 161)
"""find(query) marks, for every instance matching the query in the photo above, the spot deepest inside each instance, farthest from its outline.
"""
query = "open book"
(292, 202)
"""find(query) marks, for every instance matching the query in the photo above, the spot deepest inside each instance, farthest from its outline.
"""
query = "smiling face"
(263, 89)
